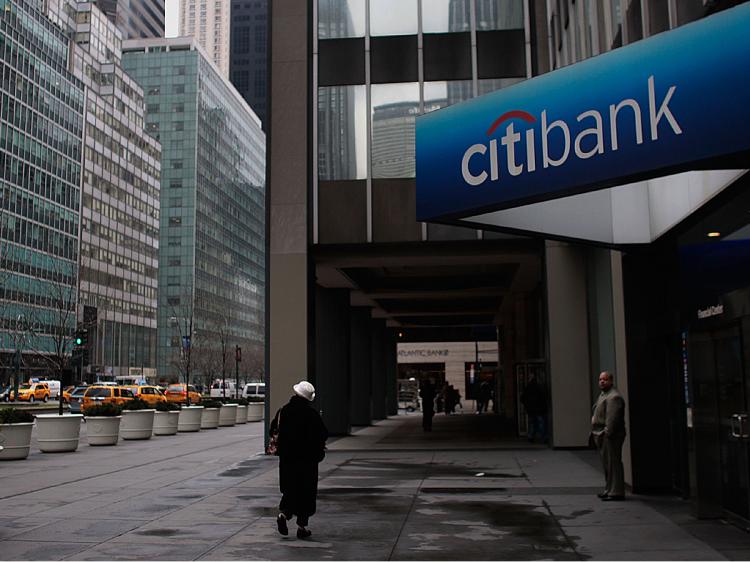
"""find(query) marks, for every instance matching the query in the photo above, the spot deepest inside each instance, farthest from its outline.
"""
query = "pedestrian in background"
(301, 446)
(534, 400)
(427, 393)
(483, 398)
(608, 431)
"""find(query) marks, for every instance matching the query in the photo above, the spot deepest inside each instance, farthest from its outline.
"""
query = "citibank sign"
(675, 102)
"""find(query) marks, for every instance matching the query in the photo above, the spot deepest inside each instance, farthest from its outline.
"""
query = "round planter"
(210, 419)
(255, 411)
(190, 418)
(15, 441)
(228, 415)
(103, 430)
(165, 423)
(241, 414)
(58, 434)
(137, 424)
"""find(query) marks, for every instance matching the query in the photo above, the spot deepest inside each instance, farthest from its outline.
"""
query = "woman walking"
(301, 446)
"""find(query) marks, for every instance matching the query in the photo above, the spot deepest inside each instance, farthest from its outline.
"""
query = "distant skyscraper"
(248, 53)
(135, 18)
(212, 243)
(208, 22)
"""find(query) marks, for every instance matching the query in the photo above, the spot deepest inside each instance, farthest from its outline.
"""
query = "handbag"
(273, 442)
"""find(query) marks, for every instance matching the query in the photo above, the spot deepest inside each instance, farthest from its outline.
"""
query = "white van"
(54, 387)
(219, 391)
(257, 389)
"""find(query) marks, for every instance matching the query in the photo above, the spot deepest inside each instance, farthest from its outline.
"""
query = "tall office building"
(212, 253)
(135, 18)
(208, 21)
(41, 150)
(120, 202)
(248, 53)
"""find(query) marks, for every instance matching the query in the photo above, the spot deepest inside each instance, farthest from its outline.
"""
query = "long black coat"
(302, 438)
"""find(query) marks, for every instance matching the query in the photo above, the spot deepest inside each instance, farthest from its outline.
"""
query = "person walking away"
(427, 393)
(608, 431)
(484, 397)
(301, 446)
(534, 400)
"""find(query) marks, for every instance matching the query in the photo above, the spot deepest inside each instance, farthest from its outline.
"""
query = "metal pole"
(237, 372)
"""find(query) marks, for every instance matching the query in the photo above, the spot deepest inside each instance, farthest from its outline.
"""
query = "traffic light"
(81, 346)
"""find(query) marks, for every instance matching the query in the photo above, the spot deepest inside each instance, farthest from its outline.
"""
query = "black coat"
(302, 438)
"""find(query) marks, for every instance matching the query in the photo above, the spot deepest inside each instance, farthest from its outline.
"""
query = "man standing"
(608, 430)
(428, 404)
(534, 400)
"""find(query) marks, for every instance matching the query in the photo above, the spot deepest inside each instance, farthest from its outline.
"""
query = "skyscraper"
(208, 22)
(212, 249)
(135, 18)
(248, 50)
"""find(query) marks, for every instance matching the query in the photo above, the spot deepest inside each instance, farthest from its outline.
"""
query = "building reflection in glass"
(442, 16)
(341, 18)
(394, 109)
(393, 17)
(499, 14)
(342, 133)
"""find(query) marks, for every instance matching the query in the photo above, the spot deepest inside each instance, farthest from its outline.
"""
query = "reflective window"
(341, 18)
(393, 17)
(487, 86)
(440, 16)
(394, 109)
(342, 133)
(499, 14)
(443, 94)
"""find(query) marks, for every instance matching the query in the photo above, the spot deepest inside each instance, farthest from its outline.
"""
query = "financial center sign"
(674, 102)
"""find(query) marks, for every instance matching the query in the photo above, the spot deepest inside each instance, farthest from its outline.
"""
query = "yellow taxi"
(66, 393)
(32, 392)
(149, 394)
(99, 394)
(176, 393)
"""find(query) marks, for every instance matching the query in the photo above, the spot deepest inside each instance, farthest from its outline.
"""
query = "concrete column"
(378, 380)
(332, 358)
(391, 372)
(360, 371)
(568, 345)
(287, 287)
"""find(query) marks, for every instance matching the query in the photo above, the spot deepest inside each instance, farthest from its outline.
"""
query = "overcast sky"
(172, 10)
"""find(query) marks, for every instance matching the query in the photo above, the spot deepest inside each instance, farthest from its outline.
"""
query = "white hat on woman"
(305, 390)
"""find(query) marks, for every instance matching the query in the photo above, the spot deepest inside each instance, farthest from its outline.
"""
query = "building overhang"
(616, 149)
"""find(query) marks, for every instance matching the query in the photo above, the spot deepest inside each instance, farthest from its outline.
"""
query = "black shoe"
(303, 533)
(281, 524)
(613, 498)
(602, 495)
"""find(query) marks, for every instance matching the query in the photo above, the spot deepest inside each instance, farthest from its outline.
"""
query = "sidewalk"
(389, 492)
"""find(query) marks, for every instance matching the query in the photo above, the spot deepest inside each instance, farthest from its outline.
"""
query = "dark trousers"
(537, 425)
(610, 451)
(298, 481)
(427, 419)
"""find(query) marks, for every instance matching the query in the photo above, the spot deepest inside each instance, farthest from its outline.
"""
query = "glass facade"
(135, 18)
(41, 131)
(248, 52)
(212, 274)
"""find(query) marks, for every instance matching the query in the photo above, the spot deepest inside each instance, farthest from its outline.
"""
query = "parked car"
(256, 389)
(5, 392)
(176, 393)
(148, 393)
(98, 394)
(227, 391)
(54, 389)
(66, 393)
(32, 392)
(75, 399)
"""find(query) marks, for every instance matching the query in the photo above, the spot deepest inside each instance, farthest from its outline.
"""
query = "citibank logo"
(477, 168)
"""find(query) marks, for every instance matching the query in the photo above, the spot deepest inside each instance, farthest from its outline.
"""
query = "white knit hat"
(305, 390)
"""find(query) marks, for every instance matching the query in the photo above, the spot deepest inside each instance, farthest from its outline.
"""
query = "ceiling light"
(714, 234)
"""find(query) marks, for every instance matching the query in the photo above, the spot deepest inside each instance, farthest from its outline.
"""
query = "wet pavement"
(467, 491)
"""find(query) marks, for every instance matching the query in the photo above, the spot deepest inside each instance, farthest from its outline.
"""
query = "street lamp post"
(237, 359)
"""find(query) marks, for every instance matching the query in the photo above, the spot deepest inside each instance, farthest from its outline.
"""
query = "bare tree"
(183, 319)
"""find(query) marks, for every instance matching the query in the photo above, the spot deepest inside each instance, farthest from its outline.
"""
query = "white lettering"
(597, 130)
(664, 111)
(546, 160)
(509, 141)
(614, 110)
(494, 172)
(530, 151)
(465, 172)
(717, 310)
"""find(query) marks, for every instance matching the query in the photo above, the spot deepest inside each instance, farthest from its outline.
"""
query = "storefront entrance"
(722, 427)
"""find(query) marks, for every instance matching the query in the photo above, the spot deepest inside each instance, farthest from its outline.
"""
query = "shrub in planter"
(107, 409)
(136, 404)
(210, 417)
(255, 399)
(238, 401)
(103, 423)
(210, 403)
(166, 418)
(15, 433)
(167, 407)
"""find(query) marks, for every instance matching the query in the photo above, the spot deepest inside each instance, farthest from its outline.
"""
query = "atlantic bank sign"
(677, 101)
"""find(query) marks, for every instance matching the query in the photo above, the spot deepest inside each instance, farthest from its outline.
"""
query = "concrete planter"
(103, 430)
(228, 415)
(58, 434)
(241, 414)
(255, 411)
(210, 419)
(165, 423)
(137, 424)
(15, 441)
(190, 418)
